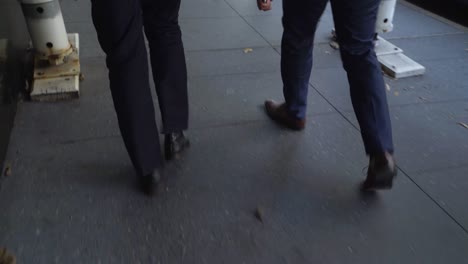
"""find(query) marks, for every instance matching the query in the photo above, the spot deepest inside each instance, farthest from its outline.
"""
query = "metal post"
(56, 67)
(385, 16)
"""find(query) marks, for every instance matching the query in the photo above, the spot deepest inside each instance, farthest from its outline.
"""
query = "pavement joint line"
(207, 17)
(211, 18)
(214, 75)
(443, 59)
(334, 107)
(420, 60)
(245, 20)
(434, 201)
(440, 169)
(402, 171)
(241, 48)
(226, 49)
(348, 111)
(252, 121)
(229, 49)
(425, 103)
(204, 76)
(86, 139)
(428, 36)
(193, 128)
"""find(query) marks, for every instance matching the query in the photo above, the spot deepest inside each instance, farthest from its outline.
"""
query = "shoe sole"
(385, 182)
(176, 156)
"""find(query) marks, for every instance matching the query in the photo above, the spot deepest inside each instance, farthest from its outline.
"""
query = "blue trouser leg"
(300, 19)
(355, 28)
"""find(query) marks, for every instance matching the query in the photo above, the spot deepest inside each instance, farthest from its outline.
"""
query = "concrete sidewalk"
(71, 199)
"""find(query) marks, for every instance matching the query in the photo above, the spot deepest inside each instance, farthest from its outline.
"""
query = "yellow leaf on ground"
(6, 173)
(6, 257)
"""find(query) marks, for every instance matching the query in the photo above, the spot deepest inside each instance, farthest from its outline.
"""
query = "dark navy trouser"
(119, 25)
(355, 27)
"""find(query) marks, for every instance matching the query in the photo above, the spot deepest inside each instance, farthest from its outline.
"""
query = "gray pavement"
(70, 197)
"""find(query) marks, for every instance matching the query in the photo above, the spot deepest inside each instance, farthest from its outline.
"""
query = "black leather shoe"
(149, 182)
(278, 113)
(175, 144)
(382, 170)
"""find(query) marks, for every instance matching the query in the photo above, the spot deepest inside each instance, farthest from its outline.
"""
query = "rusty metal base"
(58, 82)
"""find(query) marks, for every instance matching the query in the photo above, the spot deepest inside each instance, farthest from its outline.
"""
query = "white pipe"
(47, 28)
(385, 16)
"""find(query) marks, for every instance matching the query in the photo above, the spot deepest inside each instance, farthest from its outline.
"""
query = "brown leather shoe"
(382, 170)
(279, 113)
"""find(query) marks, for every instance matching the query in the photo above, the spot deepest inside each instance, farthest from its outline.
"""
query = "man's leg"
(300, 19)
(119, 27)
(169, 70)
(167, 61)
(355, 28)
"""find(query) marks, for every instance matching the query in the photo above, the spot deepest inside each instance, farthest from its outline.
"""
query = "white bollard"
(56, 62)
(47, 29)
(385, 16)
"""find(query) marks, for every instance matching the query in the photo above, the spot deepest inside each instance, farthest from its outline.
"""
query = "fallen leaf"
(387, 87)
(6, 257)
(396, 93)
(422, 98)
(334, 44)
(463, 124)
(248, 50)
(259, 214)
(327, 52)
(7, 171)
